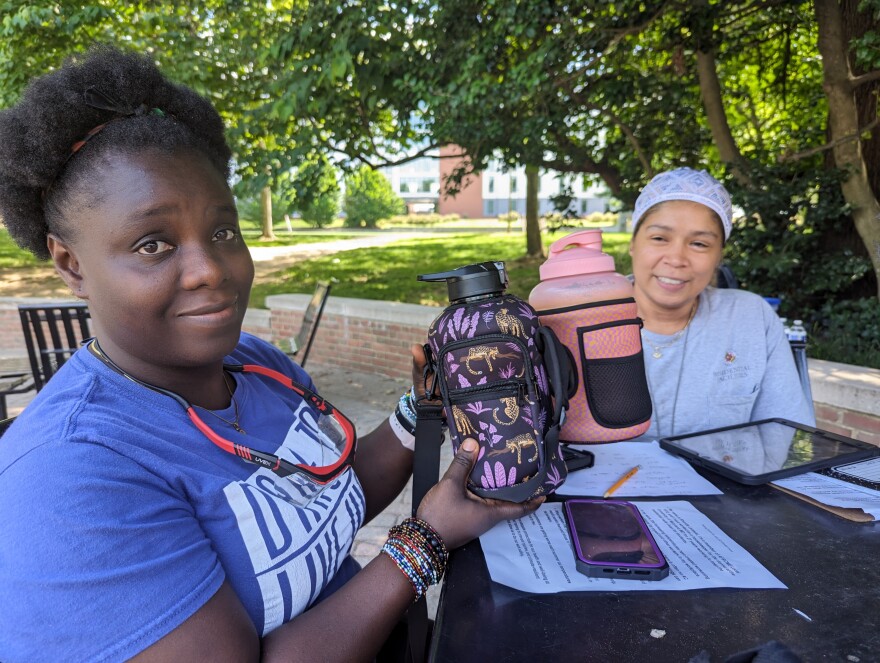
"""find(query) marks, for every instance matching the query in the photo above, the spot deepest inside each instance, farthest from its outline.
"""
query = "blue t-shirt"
(119, 519)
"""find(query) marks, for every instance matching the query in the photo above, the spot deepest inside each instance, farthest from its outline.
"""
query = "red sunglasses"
(335, 429)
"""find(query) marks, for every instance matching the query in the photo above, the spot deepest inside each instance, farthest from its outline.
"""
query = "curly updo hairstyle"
(42, 178)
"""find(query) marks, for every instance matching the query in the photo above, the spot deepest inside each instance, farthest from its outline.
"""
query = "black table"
(830, 565)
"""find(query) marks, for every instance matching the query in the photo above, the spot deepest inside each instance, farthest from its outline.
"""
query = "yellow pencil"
(622, 480)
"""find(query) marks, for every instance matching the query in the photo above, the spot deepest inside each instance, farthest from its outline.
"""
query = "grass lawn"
(411, 221)
(285, 238)
(11, 256)
(389, 273)
(386, 273)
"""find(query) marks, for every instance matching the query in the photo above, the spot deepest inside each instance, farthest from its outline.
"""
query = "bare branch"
(579, 161)
(375, 160)
(716, 114)
(829, 146)
(747, 10)
(412, 157)
(627, 131)
(857, 81)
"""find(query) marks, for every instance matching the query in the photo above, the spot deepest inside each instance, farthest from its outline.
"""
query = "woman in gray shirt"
(713, 357)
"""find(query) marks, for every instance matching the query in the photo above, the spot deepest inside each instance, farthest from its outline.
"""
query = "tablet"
(767, 450)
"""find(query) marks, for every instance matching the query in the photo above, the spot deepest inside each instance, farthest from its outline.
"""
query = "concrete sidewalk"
(368, 400)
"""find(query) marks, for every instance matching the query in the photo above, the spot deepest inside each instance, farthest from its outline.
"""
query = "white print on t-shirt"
(294, 550)
(732, 373)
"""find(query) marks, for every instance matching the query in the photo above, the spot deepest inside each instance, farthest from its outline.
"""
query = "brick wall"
(847, 399)
(362, 335)
(373, 336)
(839, 420)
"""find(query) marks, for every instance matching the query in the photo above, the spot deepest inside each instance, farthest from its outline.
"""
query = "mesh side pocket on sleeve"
(614, 373)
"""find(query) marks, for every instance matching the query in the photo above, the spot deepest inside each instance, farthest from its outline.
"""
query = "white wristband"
(406, 438)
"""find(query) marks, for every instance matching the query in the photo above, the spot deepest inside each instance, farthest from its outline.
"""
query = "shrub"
(797, 240)
(555, 222)
(600, 219)
(847, 332)
(430, 219)
(369, 199)
(250, 212)
(509, 218)
(317, 192)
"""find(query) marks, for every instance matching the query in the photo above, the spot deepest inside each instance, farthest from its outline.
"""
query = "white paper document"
(660, 474)
(834, 492)
(535, 554)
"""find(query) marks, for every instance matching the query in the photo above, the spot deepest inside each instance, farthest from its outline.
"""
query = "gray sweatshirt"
(732, 365)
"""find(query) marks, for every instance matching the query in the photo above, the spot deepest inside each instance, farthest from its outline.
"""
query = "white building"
(505, 191)
(417, 182)
(490, 193)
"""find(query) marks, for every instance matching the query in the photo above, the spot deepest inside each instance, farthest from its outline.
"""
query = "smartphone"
(611, 540)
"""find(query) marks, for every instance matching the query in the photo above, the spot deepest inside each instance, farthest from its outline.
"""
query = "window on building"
(490, 207)
(491, 185)
(418, 184)
(513, 184)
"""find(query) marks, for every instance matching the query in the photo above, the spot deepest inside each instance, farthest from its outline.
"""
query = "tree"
(534, 247)
(317, 192)
(226, 51)
(614, 91)
(845, 131)
(369, 198)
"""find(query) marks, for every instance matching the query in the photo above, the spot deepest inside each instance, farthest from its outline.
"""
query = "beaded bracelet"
(419, 552)
(406, 409)
(403, 419)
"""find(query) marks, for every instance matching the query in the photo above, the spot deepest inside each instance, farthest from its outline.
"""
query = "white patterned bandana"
(686, 184)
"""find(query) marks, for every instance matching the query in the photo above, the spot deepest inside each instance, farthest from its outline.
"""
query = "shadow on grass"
(389, 273)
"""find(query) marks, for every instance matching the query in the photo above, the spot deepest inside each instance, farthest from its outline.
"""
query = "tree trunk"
(534, 247)
(713, 104)
(855, 24)
(843, 121)
(266, 213)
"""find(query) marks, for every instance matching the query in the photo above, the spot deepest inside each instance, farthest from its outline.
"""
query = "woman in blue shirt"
(171, 494)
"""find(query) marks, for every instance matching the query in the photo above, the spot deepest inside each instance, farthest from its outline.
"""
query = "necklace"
(656, 414)
(657, 348)
(234, 422)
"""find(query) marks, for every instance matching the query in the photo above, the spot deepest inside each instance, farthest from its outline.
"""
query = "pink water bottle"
(593, 311)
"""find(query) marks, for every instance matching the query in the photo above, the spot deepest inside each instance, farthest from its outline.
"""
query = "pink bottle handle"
(587, 239)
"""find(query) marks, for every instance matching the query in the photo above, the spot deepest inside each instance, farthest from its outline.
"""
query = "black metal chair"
(311, 318)
(4, 424)
(725, 278)
(14, 379)
(52, 333)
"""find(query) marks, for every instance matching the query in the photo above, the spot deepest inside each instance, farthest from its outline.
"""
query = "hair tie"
(95, 98)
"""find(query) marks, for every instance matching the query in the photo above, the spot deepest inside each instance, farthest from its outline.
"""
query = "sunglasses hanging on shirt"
(334, 432)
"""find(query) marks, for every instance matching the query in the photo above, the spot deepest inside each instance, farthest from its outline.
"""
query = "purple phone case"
(607, 569)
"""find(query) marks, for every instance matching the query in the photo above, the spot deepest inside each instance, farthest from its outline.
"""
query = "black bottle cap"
(479, 280)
